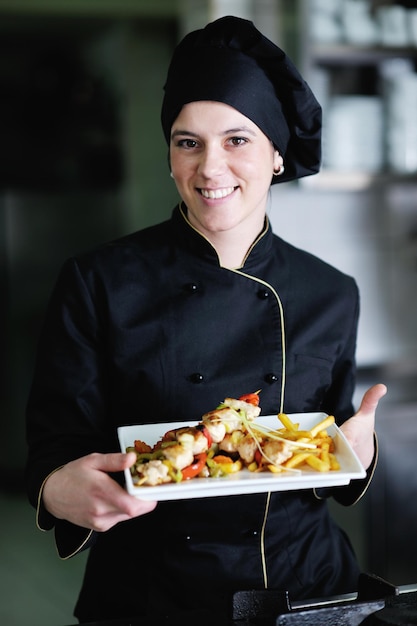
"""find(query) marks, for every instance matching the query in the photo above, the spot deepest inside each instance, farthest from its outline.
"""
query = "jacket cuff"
(69, 538)
(352, 493)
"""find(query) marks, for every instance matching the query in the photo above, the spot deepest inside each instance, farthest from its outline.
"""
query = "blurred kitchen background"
(83, 160)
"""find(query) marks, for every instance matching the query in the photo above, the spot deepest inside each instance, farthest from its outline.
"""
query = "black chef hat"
(230, 61)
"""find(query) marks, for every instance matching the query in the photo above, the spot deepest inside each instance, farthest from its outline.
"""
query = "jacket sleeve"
(338, 397)
(66, 410)
(339, 402)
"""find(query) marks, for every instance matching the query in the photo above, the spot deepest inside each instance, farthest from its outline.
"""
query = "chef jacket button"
(271, 378)
(263, 294)
(191, 287)
(196, 378)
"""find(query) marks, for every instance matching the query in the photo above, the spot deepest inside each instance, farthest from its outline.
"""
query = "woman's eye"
(187, 143)
(238, 141)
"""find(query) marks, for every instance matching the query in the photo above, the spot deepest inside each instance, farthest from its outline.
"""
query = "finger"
(115, 501)
(129, 459)
(119, 502)
(113, 461)
(371, 398)
(137, 508)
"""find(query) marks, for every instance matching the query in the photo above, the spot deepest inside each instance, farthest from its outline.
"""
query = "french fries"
(313, 448)
(328, 421)
(287, 423)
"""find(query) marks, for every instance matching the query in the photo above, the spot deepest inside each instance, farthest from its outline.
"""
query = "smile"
(214, 194)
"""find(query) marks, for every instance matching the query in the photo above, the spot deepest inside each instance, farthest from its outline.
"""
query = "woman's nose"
(211, 162)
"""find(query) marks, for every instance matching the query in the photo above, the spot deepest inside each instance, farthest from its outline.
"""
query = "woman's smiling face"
(222, 164)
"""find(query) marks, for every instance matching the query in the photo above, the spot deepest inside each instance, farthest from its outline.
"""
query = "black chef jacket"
(150, 328)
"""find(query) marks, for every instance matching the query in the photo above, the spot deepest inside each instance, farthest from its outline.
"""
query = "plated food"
(230, 439)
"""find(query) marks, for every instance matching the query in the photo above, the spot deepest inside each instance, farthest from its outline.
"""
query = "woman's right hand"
(82, 492)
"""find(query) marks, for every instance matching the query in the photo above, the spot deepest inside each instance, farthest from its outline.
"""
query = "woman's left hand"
(359, 429)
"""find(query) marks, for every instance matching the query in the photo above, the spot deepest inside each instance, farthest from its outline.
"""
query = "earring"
(172, 175)
(279, 171)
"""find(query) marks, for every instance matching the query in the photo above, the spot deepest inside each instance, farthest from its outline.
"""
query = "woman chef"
(165, 323)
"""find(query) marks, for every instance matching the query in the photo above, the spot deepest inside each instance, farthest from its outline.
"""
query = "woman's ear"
(278, 161)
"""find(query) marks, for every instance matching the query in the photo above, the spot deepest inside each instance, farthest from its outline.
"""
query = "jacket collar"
(199, 245)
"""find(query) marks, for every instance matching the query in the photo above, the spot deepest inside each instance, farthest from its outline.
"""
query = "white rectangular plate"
(244, 482)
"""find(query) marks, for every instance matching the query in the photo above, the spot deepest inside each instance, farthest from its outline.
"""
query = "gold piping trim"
(77, 550)
(281, 409)
(38, 506)
(263, 554)
(283, 338)
(259, 237)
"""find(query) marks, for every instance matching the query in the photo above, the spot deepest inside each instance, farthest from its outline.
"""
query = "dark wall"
(63, 178)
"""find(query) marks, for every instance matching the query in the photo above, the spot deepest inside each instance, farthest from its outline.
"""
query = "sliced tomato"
(251, 398)
(206, 434)
(258, 457)
(193, 470)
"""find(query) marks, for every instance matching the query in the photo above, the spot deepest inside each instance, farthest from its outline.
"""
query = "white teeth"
(214, 194)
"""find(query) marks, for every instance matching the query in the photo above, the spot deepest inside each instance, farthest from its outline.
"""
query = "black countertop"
(247, 608)
(194, 619)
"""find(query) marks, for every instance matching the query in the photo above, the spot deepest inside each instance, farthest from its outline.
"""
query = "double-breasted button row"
(263, 293)
(197, 378)
(252, 533)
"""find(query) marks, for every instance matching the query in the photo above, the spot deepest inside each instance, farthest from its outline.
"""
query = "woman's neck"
(232, 248)
(232, 245)
(231, 252)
